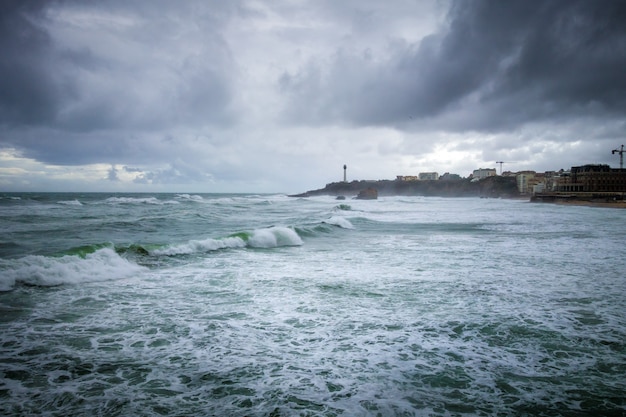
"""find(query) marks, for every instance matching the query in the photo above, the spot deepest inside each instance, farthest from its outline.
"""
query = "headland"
(491, 187)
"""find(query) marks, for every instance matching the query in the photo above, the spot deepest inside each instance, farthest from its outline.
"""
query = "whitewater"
(266, 305)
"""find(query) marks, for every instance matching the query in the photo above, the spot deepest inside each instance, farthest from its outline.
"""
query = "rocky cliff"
(493, 187)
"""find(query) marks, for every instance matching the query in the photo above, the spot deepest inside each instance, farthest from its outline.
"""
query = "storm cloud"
(232, 96)
(496, 65)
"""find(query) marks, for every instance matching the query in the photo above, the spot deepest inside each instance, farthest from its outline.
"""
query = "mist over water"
(264, 305)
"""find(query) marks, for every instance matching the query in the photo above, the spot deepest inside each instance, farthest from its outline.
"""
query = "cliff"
(493, 187)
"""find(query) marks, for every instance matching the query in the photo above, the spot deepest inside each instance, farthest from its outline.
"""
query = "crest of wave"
(262, 238)
(102, 265)
(273, 237)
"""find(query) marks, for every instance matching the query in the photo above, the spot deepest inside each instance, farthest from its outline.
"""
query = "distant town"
(591, 183)
(592, 180)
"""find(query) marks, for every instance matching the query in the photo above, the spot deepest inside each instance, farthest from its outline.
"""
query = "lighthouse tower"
(344, 173)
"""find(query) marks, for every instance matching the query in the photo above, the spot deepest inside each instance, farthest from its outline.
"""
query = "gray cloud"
(90, 66)
(498, 65)
(28, 93)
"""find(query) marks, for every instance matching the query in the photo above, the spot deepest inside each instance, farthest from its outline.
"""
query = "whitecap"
(70, 203)
(135, 200)
(191, 197)
(273, 237)
(340, 222)
(102, 265)
(196, 246)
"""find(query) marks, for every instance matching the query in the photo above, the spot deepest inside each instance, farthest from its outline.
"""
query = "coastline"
(587, 203)
(491, 187)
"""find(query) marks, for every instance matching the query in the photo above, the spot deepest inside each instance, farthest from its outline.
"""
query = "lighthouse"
(344, 173)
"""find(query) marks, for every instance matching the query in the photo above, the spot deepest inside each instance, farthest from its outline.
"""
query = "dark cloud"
(498, 65)
(29, 94)
(138, 69)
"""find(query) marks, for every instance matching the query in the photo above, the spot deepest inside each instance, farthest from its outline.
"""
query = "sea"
(269, 305)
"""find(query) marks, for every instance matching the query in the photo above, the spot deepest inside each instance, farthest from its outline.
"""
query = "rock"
(340, 197)
(368, 194)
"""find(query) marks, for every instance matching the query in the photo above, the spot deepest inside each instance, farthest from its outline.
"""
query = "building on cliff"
(428, 176)
(482, 173)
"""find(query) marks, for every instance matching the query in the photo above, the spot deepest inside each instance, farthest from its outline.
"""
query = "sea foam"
(339, 222)
(191, 197)
(196, 246)
(261, 238)
(136, 200)
(70, 203)
(273, 237)
(102, 265)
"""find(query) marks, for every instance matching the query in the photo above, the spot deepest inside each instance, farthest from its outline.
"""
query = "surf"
(102, 264)
(271, 237)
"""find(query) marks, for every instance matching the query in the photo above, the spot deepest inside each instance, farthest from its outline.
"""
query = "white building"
(482, 173)
(525, 181)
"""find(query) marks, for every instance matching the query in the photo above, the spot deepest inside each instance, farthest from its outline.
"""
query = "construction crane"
(501, 162)
(620, 151)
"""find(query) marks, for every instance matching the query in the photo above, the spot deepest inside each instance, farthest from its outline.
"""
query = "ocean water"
(265, 305)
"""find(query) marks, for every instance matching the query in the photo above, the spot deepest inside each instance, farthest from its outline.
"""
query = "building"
(527, 180)
(450, 177)
(406, 178)
(428, 176)
(482, 173)
(592, 179)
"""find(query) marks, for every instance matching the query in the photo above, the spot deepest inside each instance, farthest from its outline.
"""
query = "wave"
(70, 203)
(190, 197)
(139, 200)
(100, 265)
(339, 222)
(195, 246)
(271, 237)
(274, 237)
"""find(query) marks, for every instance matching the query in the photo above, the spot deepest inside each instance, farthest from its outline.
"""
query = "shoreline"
(616, 204)
(586, 203)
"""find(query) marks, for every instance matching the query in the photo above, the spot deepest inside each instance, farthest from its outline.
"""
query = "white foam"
(102, 265)
(340, 222)
(70, 203)
(195, 246)
(191, 197)
(262, 238)
(144, 200)
(273, 237)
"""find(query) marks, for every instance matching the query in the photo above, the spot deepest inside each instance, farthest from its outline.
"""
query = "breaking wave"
(190, 197)
(139, 200)
(100, 265)
(70, 203)
(339, 222)
(271, 237)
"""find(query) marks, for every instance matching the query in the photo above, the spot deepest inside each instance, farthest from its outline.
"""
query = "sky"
(275, 96)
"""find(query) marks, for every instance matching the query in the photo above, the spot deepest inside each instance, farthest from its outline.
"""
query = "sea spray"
(103, 264)
(339, 222)
(261, 238)
(205, 245)
(273, 237)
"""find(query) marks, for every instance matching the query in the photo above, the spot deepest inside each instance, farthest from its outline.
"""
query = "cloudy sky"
(276, 95)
